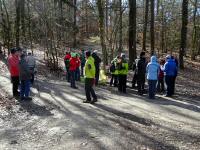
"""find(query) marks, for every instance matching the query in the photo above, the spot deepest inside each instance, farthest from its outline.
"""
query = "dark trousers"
(77, 74)
(122, 83)
(152, 88)
(134, 81)
(173, 85)
(89, 89)
(161, 85)
(141, 83)
(169, 82)
(32, 74)
(68, 78)
(72, 75)
(24, 88)
(114, 78)
(97, 77)
(15, 83)
(82, 69)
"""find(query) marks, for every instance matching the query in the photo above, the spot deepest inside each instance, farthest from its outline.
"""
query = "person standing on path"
(78, 63)
(32, 65)
(123, 71)
(72, 69)
(97, 61)
(89, 72)
(114, 72)
(135, 76)
(175, 75)
(170, 70)
(66, 61)
(141, 72)
(82, 61)
(161, 82)
(152, 76)
(25, 76)
(13, 65)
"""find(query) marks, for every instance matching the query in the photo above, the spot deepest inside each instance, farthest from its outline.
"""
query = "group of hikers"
(90, 68)
(157, 72)
(22, 68)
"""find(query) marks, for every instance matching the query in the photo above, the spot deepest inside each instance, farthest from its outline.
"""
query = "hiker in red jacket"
(161, 84)
(13, 65)
(78, 64)
(72, 69)
(66, 61)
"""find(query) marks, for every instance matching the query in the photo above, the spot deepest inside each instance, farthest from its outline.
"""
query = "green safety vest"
(90, 68)
(124, 69)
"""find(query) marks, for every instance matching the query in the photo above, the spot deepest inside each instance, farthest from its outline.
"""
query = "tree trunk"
(17, 22)
(100, 5)
(194, 34)
(75, 27)
(120, 27)
(132, 30)
(183, 32)
(145, 25)
(152, 27)
(22, 19)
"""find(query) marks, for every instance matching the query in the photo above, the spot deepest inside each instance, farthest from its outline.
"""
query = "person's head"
(162, 61)
(123, 56)
(142, 55)
(29, 53)
(22, 56)
(168, 57)
(13, 51)
(66, 53)
(153, 59)
(87, 54)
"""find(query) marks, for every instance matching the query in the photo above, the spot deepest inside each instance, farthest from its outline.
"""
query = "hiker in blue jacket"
(170, 71)
(152, 70)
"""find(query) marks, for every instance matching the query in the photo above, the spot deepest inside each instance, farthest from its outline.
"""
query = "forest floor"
(57, 118)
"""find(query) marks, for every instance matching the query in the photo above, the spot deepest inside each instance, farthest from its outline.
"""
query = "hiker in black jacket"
(141, 71)
(97, 61)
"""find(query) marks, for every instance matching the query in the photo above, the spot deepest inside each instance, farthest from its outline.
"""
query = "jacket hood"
(153, 59)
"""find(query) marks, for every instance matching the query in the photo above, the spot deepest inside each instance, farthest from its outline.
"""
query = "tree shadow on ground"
(35, 109)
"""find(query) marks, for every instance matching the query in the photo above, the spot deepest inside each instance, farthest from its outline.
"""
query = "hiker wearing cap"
(89, 72)
(122, 73)
(97, 61)
(170, 70)
(141, 71)
(13, 65)
(114, 71)
(32, 65)
(152, 70)
(72, 69)
(66, 61)
(25, 76)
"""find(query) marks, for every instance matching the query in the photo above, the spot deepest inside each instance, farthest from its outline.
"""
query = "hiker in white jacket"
(32, 65)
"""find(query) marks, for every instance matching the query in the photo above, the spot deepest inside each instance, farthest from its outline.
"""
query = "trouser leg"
(22, 89)
(111, 80)
(115, 80)
(27, 88)
(120, 83)
(87, 89)
(134, 81)
(15, 83)
(124, 80)
(72, 74)
(97, 77)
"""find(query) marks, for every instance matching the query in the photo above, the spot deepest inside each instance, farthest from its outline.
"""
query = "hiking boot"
(28, 98)
(86, 101)
(93, 101)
